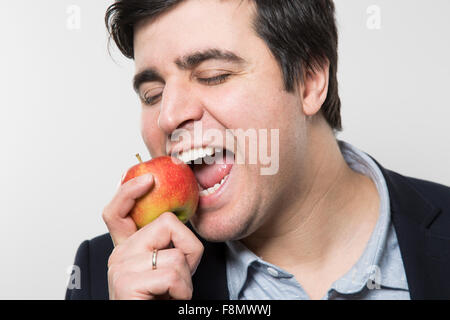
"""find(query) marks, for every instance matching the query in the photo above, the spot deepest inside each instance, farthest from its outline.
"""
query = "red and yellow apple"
(175, 190)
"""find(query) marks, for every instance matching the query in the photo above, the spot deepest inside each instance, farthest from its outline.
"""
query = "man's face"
(250, 96)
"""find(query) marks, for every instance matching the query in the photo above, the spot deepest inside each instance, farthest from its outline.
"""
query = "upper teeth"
(193, 154)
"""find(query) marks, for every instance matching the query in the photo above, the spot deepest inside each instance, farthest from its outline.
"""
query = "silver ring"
(155, 252)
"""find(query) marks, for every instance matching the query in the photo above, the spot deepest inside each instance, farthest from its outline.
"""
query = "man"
(331, 223)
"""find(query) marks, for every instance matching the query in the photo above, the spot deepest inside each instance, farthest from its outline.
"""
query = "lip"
(215, 199)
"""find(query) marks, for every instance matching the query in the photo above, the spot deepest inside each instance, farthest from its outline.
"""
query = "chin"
(216, 227)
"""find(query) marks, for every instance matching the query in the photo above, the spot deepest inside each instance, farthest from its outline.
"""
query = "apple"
(175, 190)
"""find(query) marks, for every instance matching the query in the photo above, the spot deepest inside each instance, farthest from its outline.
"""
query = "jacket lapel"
(425, 255)
(210, 279)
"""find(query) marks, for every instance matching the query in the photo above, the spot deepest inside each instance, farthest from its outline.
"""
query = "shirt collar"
(375, 268)
(239, 258)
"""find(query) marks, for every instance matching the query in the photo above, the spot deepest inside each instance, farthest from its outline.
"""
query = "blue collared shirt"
(378, 274)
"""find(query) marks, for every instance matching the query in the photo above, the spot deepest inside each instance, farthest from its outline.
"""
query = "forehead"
(194, 25)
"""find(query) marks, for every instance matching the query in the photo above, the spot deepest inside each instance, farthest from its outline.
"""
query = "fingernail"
(145, 178)
(119, 183)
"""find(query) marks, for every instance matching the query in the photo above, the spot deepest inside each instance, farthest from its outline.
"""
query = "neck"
(322, 216)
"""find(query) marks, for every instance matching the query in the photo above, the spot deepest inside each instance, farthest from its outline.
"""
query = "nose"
(179, 106)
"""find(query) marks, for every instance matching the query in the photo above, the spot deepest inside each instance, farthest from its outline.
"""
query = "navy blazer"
(420, 213)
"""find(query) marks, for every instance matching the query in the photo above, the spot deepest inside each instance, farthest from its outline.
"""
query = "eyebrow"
(187, 62)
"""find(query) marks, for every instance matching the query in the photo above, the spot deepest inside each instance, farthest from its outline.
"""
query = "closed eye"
(215, 80)
(151, 100)
(209, 81)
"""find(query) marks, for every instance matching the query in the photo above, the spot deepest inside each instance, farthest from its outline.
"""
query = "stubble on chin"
(223, 231)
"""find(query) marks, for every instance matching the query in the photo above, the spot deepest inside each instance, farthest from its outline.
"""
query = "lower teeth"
(212, 189)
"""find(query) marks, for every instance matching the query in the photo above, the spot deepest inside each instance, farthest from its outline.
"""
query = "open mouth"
(212, 171)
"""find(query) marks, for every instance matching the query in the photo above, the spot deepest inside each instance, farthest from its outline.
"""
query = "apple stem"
(138, 157)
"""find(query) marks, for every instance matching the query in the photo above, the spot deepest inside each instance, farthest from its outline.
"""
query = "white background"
(69, 119)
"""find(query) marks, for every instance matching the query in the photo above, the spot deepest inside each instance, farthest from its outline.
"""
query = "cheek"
(237, 107)
(152, 136)
(146, 128)
(248, 107)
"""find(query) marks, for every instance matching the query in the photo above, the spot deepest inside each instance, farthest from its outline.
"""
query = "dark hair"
(301, 34)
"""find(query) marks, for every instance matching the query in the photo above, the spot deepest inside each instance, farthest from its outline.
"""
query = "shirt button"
(272, 272)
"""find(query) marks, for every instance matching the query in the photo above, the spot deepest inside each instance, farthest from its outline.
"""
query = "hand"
(130, 273)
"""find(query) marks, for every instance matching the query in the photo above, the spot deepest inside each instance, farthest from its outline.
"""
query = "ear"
(314, 89)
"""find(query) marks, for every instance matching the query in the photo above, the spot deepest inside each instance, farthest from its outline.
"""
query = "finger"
(119, 223)
(165, 259)
(127, 193)
(160, 233)
(151, 285)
